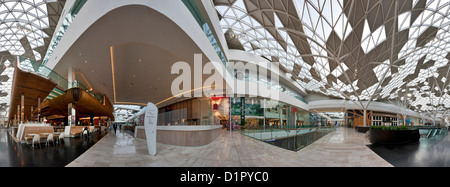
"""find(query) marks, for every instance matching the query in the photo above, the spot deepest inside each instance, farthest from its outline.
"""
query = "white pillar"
(70, 77)
(371, 117)
(365, 117)
(71, 111)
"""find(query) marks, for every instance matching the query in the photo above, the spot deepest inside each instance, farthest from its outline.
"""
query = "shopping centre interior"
(236, 82)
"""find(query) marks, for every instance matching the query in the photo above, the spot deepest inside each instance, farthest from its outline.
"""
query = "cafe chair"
(36, 138)
(61, 136)
(49, 138)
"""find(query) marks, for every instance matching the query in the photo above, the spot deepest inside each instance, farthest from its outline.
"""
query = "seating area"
(45, 137)
(76, 131)
(31, 131)
(37, 135)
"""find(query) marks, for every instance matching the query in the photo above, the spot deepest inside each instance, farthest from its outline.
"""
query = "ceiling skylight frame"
(317, 13)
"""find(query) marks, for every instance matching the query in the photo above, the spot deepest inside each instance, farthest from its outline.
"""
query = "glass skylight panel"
(277, 23)
(37, 55)
(372, 39)
(342, 26)
(379, 35)
(381, 70)
(222, 9)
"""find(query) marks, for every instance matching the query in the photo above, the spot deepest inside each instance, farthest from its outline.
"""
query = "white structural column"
(365, 117)
(371, 118)
(71, 111)
(71, 108)
(70, 77)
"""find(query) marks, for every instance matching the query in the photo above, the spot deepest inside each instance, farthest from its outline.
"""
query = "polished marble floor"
(427, 152)
(343, 147)
(14, 154)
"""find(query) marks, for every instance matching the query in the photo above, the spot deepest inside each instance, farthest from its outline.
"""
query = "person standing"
(87, 131)
(114, 127)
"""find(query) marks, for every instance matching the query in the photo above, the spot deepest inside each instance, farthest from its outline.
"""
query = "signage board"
(151, 117)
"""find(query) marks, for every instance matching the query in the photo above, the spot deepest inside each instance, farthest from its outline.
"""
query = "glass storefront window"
(317, 120)
(246, 113)
(279, 123)
(280, 116)
(196, 111)
(177, 114)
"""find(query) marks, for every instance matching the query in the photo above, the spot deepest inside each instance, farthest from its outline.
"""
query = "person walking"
(115, 127)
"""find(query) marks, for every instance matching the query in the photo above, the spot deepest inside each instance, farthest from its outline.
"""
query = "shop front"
(256, 112)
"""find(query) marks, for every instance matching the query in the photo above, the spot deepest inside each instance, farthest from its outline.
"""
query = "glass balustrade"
(68, 19)
(195, 11)
(291, 138)
(28, 65)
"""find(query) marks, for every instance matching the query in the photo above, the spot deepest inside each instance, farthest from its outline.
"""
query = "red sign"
(216, 98)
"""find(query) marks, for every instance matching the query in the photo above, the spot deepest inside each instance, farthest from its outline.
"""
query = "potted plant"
(393, 134)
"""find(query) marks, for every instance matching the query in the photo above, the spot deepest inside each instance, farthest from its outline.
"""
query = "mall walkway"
(343, 147)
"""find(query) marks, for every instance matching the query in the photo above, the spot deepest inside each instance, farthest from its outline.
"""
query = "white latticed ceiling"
(21, 19)
(26, 27)
(358, 50)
